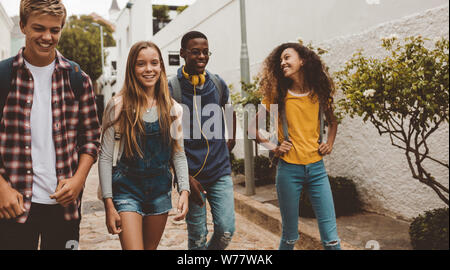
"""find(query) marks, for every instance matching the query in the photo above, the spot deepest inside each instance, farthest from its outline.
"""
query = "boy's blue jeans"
(290, 180)
(220, 196)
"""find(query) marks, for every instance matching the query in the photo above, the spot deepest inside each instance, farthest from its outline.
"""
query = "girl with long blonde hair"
(137, 191)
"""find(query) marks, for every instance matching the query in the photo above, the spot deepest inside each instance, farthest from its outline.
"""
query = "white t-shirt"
(43, 153)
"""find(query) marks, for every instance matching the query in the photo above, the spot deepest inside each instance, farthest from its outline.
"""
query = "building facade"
(6, 26)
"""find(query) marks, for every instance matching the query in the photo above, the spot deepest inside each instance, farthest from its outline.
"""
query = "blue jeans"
(290, 180)
(220, 196)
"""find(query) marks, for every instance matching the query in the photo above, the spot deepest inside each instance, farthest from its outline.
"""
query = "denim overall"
(144, 185)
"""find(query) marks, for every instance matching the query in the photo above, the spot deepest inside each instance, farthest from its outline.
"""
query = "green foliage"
(80, 42)
(181, 8)
(251, 94)
(404, 95)
(345, 197)
(263, 173)
(412, 79)
(161, 12)
(319, 51)
(237, 165)
(430, 231)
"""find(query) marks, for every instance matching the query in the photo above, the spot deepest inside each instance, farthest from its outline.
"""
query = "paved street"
(94, 235)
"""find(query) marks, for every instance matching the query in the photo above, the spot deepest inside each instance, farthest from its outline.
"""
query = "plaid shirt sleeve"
(89, 127)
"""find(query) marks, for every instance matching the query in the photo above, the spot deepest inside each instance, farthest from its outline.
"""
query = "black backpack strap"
(218, 85)
(5, 82)
(176, 88)
(284, 125)
(76, 79)
(321, 125)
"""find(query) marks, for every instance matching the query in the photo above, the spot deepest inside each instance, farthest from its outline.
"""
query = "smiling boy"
(49, 137)
(208, 156)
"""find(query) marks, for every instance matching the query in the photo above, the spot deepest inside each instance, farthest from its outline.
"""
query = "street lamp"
(101, 44)
(245, 78)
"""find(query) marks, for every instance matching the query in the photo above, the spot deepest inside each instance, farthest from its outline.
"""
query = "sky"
(77, 7)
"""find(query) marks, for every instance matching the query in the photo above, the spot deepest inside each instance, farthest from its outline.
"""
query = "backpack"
(76, 80)
(176, 88)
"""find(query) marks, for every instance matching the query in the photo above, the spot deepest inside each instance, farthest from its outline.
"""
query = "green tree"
(405, 95)
(161, 12)
(80, 42)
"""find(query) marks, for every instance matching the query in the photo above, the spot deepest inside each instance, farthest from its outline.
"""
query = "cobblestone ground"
(94, 235)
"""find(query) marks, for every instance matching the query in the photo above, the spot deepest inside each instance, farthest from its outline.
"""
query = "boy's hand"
(67, 191)
(11, 202)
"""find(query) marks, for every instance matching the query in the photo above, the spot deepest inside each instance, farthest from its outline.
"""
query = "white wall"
(270, 23)
(5, 34)
(17, 37)
(132, 25)
(110, 74)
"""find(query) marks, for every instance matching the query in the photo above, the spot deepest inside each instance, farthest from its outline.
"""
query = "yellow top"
(302, 116)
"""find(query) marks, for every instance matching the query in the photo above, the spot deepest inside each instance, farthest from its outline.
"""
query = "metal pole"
(101, 45)
(103, 54)
(245, 77)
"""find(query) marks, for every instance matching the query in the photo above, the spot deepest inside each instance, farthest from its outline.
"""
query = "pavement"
(258, 225)
(362, 231)
(94, 235)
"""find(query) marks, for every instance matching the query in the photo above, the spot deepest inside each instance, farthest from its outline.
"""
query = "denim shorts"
(147, 195)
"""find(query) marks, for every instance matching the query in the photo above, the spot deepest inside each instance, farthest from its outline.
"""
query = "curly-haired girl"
(294, 78)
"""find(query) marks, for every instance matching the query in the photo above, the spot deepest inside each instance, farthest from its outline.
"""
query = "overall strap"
(117, 134)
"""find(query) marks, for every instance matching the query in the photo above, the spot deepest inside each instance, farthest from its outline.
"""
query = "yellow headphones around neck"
(197, 80)
(194, 79)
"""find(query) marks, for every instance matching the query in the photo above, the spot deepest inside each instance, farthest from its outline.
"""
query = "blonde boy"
(49, 137)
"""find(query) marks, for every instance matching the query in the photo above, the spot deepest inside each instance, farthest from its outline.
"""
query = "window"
(174, 58)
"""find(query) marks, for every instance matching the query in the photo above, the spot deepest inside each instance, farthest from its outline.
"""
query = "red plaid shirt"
(76, 129)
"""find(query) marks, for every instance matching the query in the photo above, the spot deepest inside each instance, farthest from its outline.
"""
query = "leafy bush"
(345, 197)
(263, 173)
(430, 231)
(237, 165)
(405, 96)
(251, 94)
